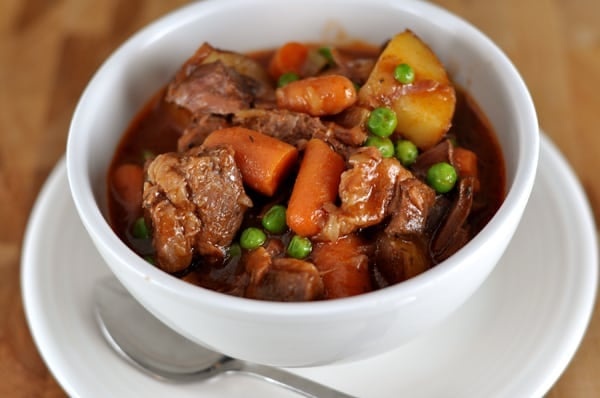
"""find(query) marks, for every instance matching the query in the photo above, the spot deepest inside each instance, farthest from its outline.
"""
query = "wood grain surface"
(50, 48)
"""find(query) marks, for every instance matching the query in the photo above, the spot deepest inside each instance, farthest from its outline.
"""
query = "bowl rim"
(102, 234)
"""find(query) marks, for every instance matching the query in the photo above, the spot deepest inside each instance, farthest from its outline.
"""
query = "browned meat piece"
(211, 88)
(281, 279)
(410, 207)
(401, 258)
(354, 116)
(282, 124)
(229, 278)
(296, 128)
(196, 203)
(257, 263)
(220, 82)
(366, 190)
(355, 69)
(195, 134)
(452, 234)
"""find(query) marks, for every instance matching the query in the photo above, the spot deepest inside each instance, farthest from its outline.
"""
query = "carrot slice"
(127, 184)
(316, 184)
(465, 162)
(288, 58)
(344, 266)
(264, 161)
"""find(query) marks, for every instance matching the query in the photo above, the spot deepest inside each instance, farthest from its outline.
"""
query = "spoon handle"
(290, 381)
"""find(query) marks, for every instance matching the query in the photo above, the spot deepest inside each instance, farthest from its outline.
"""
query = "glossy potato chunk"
(424, 107)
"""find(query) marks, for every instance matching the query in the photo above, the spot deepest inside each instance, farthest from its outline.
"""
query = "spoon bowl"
(154, 348)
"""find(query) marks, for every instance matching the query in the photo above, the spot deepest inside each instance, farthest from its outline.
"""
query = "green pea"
(299, 247)
(287, 78)
(148, 155)
(385, 145)
(326, 53)
(274, 219)
(441, 177)
(406, 152)
(404, 73)
(235, 250)
(382, 122)
(252, 238)
(140, 229)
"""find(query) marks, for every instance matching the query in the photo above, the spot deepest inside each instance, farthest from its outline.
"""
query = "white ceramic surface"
(513, 338)
(300, 334)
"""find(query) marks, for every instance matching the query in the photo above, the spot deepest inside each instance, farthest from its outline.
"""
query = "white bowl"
(300, 334)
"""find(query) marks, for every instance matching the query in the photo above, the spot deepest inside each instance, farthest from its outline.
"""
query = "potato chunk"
(425, 106)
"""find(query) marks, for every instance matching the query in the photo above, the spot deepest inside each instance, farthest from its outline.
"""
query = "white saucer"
(513, 338)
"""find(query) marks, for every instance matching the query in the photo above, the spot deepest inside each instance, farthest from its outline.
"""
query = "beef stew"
(362, 202)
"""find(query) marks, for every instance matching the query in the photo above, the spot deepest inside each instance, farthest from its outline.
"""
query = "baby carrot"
(288, 58)
(465, 162)
(316, 184)
(127, 184)
(317, 96)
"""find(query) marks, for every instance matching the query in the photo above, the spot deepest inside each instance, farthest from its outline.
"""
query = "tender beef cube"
(282, 124)
(296, 128)
(352, 122)
(196, 202)
(355, 69)
(365, 191)
(195, 134)
(229, 277)
(400, 258)
(344, 141)
(211, 88)
(410, 207)
(281, 279)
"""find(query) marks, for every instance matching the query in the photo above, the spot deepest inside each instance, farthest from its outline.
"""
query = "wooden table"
(49, 49)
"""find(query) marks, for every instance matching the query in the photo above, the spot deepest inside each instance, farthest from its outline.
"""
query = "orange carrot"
(344, 266)
(317, 96)
(263, 160)
(465, 162)
(316, 184)
(288, 58)
(127, 185)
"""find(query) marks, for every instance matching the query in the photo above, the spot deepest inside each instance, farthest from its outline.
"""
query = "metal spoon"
(159, 351)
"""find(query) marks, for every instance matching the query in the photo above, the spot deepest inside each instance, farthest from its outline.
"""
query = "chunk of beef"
(400, 258)
(184, 199)
(221, 82)
(365, 191)
(261, 82)
(296, 128)
(355, 69)
(211, 88)
(228, 277)
(410, 207)
(281, 279)
(282, 124)
(200, 128)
